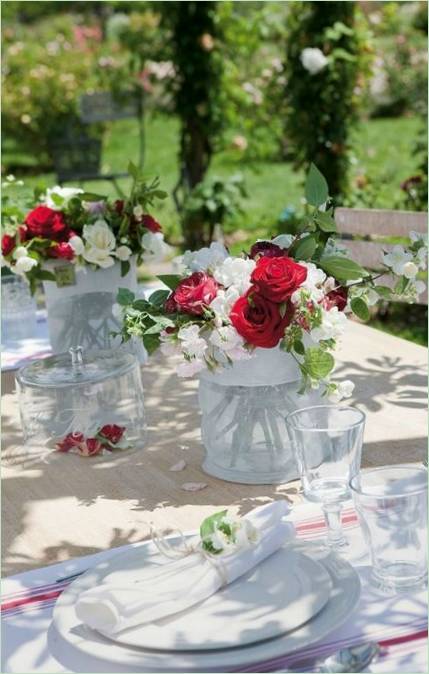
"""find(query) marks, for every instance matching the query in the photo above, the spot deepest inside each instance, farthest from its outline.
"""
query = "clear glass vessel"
(18, 310)
(392, 504)
(243, 418)
(68, 399)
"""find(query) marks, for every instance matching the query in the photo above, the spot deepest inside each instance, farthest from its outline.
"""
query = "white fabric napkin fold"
(155, 592)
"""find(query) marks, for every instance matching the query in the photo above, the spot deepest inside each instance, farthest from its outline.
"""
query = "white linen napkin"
(155, 592)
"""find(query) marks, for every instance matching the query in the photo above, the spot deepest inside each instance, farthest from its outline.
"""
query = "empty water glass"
(392, 506)
(327, 443)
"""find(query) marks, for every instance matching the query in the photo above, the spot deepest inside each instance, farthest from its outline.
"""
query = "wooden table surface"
(69, 506)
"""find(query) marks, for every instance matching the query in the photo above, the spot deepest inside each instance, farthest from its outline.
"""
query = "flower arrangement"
(293, 292)
(69, 224)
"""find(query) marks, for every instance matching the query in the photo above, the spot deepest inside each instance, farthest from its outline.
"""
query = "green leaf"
(384, 291)
(170, 280)
(401, 286)
(298, 347)
(125, 268)
(360, 308)
(90, 196)
(316, 187)
(209, 525)
(151, 343)
(57, 199)
(159, 297)
(142, 305)
(325, 221)
(44, 275)
(318, 363)
(305, 248)
(342, 268)
(124, 297)
(133, 170)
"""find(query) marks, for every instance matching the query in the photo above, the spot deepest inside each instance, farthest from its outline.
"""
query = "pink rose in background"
(195, 293)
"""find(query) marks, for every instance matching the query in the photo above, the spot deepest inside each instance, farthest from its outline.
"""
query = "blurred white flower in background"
(313, 60)
(63, 194)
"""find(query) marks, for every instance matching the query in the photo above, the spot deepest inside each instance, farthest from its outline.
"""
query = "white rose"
(313, 60)
(155, 248)
(123, 253)
(235, 271)
(63, 193)
(77, 244)
(21, 251)
(24, 264)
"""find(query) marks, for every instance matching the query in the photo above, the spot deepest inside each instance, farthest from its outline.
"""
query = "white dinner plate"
(284, 591)
(81, 649)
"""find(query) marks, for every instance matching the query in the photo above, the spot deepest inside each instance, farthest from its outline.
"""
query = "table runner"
(398, 623)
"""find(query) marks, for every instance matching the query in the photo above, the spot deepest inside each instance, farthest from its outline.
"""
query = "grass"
(382, 150)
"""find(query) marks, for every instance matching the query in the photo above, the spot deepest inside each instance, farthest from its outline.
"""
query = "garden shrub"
(323, 105)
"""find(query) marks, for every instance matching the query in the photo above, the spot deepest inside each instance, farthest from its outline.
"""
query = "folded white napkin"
(155, 592)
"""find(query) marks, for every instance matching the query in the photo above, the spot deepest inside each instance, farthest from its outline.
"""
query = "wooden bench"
(364, 233)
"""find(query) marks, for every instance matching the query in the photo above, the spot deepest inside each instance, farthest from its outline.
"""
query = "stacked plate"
(290, 601)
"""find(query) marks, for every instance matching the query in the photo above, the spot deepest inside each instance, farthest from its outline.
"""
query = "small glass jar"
(89, 404)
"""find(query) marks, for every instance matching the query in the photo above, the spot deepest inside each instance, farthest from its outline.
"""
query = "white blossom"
(205, 258)
(138, 211)
(418, 236)
(77, 244)
(155, 247)
(228, 340)
(191, 343)
(190, 367)
(223, 302)
(421, 257)
(20, 251)
(397, 259)
(313, 284)
(235, 271)
(100, 242)
(64, 193)
(332, 326)
(24, 264)
(313, 60)
(123, 253)
(410, 270)
(343, 389)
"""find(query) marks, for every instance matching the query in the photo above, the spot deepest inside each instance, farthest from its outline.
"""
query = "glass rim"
(379, 469)
(319, 407)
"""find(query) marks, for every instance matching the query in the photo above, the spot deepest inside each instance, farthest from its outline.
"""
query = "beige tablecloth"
(71, 506)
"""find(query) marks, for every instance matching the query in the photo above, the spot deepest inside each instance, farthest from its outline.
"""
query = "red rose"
(64, 251)
(71, 440)
(8, 243)
(259, 320)
(336, 298)
(267, 249)
(170, 305)
(22, 231)
(151, 224)
(90, 447)
(112, 432)
(194, 293)
(276, 278)
(46, 223)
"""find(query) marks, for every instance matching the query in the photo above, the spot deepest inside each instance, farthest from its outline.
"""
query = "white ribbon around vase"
(155, 592)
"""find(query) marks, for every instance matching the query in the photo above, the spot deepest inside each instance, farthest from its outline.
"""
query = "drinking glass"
(18, 309)
(327, 442)
(391, 503)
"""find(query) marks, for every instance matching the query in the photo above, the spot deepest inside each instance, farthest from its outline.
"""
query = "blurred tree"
(322, 70)
(193, 46)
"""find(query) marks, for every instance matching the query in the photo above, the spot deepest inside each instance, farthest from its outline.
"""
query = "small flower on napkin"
(221, 533)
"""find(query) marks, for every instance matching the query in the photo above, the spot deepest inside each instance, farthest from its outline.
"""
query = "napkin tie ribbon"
(185, 549)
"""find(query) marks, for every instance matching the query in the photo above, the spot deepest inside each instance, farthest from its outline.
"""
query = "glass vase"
(243, 424)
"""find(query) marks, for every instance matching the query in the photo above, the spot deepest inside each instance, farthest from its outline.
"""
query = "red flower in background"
(64, 251)
(71, 440)
(194, 293)
(267, 249)
(119, 206)
(151, 224)
(336, 298)
(276, 278)
(90, 447)
(259, 320)
(112, 432)
(46, 223)
(8, 243)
